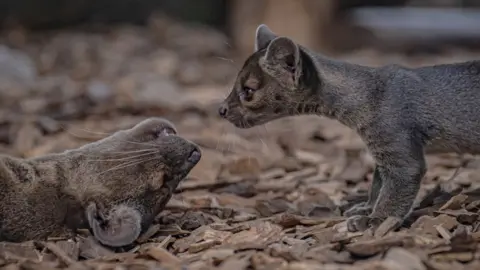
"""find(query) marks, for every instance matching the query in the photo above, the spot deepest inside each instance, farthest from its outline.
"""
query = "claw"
(361, 209)
(358, 223)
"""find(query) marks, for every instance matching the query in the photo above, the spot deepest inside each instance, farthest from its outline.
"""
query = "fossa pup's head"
(115, 186)
(274, 82)
(150, 150)
(131, 177)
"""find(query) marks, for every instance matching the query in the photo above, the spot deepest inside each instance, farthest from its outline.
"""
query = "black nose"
(222, 111)
(195, 156)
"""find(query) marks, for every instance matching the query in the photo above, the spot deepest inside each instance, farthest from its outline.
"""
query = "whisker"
(125, 158)
(133, 151)
(218, 139)
(69, 131)
(249, 153)
(95, 132)
(266, 130)
(260, 138)
(139, 143)
(231, 143)
(113, 154)
(105, 134)
(228, 44)
(266, 135)
(226, 59)
(126, 164)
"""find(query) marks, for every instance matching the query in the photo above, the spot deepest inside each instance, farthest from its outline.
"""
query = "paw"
(361, 209)
(360, 223)
(95, 212)
(119, 228)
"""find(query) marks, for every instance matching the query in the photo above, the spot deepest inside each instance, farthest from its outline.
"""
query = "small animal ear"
(263, 37)
(119, 228)
(283, 51)
(282, 60)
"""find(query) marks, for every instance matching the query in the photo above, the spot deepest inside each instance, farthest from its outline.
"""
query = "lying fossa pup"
(114, 187)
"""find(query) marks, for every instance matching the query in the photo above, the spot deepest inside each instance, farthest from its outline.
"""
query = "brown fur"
(115, 186)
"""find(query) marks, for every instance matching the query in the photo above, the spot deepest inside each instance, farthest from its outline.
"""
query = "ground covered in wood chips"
(270, 197)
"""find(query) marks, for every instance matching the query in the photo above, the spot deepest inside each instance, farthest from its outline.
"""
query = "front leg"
(402, 169)
(365, 208)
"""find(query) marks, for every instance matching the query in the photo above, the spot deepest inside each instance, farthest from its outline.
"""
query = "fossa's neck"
(52, 168)
(57, 168)
(342, 90)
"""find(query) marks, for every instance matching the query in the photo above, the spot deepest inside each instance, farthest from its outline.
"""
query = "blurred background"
(94, 66)
(328, 25)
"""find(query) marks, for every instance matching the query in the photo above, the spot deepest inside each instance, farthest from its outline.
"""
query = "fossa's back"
(442, 100)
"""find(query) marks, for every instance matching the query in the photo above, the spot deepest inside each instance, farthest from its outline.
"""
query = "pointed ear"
(283, 61)
(119, 228)
(283, 51)
(263, 37)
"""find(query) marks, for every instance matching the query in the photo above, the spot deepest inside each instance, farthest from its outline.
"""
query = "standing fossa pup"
(115, 187)
(397, 111)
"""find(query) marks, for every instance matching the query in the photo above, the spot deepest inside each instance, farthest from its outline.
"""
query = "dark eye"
(247, 93)
(165, 132)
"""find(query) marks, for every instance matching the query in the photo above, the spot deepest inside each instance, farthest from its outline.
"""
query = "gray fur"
(115, 187)
(401, 113)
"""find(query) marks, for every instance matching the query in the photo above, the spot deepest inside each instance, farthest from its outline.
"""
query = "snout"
(185, 160)
(232, 115)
